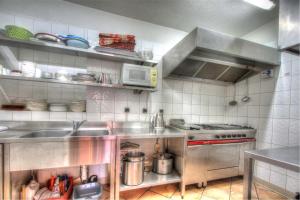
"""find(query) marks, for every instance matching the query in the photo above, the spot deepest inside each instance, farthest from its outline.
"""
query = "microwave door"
(138, 77)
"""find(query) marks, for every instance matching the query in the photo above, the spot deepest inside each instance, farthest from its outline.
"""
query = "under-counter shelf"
(22, 78)
(153, 179)
(58, 48)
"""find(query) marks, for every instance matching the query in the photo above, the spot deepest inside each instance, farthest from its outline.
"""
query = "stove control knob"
(233, 135)
(223, 136)
(228, 136)
(244, 135)
(217, 136)
(191, 137)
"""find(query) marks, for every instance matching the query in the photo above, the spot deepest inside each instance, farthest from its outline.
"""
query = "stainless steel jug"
(158, 121)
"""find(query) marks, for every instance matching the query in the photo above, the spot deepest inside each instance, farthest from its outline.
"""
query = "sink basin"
(6, 136)
(91, 133)
(46, 133)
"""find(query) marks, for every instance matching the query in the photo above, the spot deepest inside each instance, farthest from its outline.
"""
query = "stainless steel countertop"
(15, 136)
(18, 129)
(128, 133)
(286, 157)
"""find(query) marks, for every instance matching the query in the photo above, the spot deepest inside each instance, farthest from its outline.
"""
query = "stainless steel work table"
(146, 133)
(141, 131)
(287, 157)
(19, 153)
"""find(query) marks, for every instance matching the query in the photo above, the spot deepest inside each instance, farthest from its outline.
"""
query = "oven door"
(196, 159)
(223, 156)
(136, 75)
(223, 161)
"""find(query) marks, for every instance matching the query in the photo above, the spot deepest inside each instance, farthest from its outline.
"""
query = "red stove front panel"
(228, 141)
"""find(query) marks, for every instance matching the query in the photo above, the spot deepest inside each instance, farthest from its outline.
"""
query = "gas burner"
(213, 131)
(222, 127)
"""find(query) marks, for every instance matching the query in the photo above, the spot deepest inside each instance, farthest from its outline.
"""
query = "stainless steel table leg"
(117, 169)
(112, 170)
(248, 176)
(1, 171)
(6, 178)
(182, 184)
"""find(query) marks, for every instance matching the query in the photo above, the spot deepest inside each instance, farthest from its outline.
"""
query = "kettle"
(158, 121)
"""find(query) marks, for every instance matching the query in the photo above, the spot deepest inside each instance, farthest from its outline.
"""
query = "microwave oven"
(139, 75)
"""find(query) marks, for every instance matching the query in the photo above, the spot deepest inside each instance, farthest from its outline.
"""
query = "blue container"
(77, 43)
(88, 191)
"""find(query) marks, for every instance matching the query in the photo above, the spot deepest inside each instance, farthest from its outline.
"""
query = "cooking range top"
(217, 127)
(180, 123)
(214, 133)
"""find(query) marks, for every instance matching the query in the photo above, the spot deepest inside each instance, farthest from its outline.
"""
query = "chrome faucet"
(76, 125)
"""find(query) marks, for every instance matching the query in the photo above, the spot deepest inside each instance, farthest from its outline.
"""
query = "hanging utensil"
(246, 98)
(233, 102)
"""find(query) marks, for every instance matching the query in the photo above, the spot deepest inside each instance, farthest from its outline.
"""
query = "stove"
(214, 151)
(214, 133)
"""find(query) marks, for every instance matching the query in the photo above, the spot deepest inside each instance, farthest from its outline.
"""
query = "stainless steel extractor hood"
(215, 57)
(289, 26)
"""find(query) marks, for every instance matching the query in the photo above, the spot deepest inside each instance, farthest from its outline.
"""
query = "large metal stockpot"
(162, 163)
(133, 168)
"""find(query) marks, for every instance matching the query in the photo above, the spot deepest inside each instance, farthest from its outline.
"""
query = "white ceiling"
(234, 17)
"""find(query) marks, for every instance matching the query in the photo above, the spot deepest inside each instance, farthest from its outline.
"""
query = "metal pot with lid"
(133, 168)
(163, 163)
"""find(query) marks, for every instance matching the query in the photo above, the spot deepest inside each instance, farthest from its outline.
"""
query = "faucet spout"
(77, 125)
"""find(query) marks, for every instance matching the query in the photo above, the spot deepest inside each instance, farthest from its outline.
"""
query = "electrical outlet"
(145, 110)
(127, 110)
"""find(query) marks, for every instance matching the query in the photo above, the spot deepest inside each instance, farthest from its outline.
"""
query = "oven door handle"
(226, 144)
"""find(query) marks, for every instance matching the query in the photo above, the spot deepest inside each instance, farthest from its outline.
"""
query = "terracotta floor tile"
(217, 193)
(165, 190)
(207, 198)
(222, 184)
(152, 196)
(238, 195)
(237, 189)
(265, 194)
(132, 194)
(228, 189)
(192, 193)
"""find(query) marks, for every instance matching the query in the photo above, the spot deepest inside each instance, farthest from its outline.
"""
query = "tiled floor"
(228, 189)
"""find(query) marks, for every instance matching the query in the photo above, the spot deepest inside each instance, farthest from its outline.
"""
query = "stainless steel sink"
(91, 133)
(46, 133)
(7, 135)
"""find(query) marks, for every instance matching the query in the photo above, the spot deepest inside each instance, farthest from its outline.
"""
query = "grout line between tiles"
(256, 190)
(202, 193)
(143, 193)
(148, 189)
(230, 188)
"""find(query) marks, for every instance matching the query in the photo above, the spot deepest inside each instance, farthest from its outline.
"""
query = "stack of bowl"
(37, 105)
(77, 106)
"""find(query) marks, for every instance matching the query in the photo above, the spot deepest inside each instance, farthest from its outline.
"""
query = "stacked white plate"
(58, 107)
(78, 106)
(37, 105)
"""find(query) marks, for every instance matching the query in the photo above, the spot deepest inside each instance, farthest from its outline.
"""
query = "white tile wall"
(274, 111)
(273, 108)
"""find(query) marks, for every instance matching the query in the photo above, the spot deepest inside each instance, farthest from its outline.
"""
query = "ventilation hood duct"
(205, 55)
(289, 26)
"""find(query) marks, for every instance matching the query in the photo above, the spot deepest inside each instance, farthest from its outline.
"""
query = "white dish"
(58, 107)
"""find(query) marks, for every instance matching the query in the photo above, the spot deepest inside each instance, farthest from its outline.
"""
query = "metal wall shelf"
(77, 83)
(153, 179)
(58, 48)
